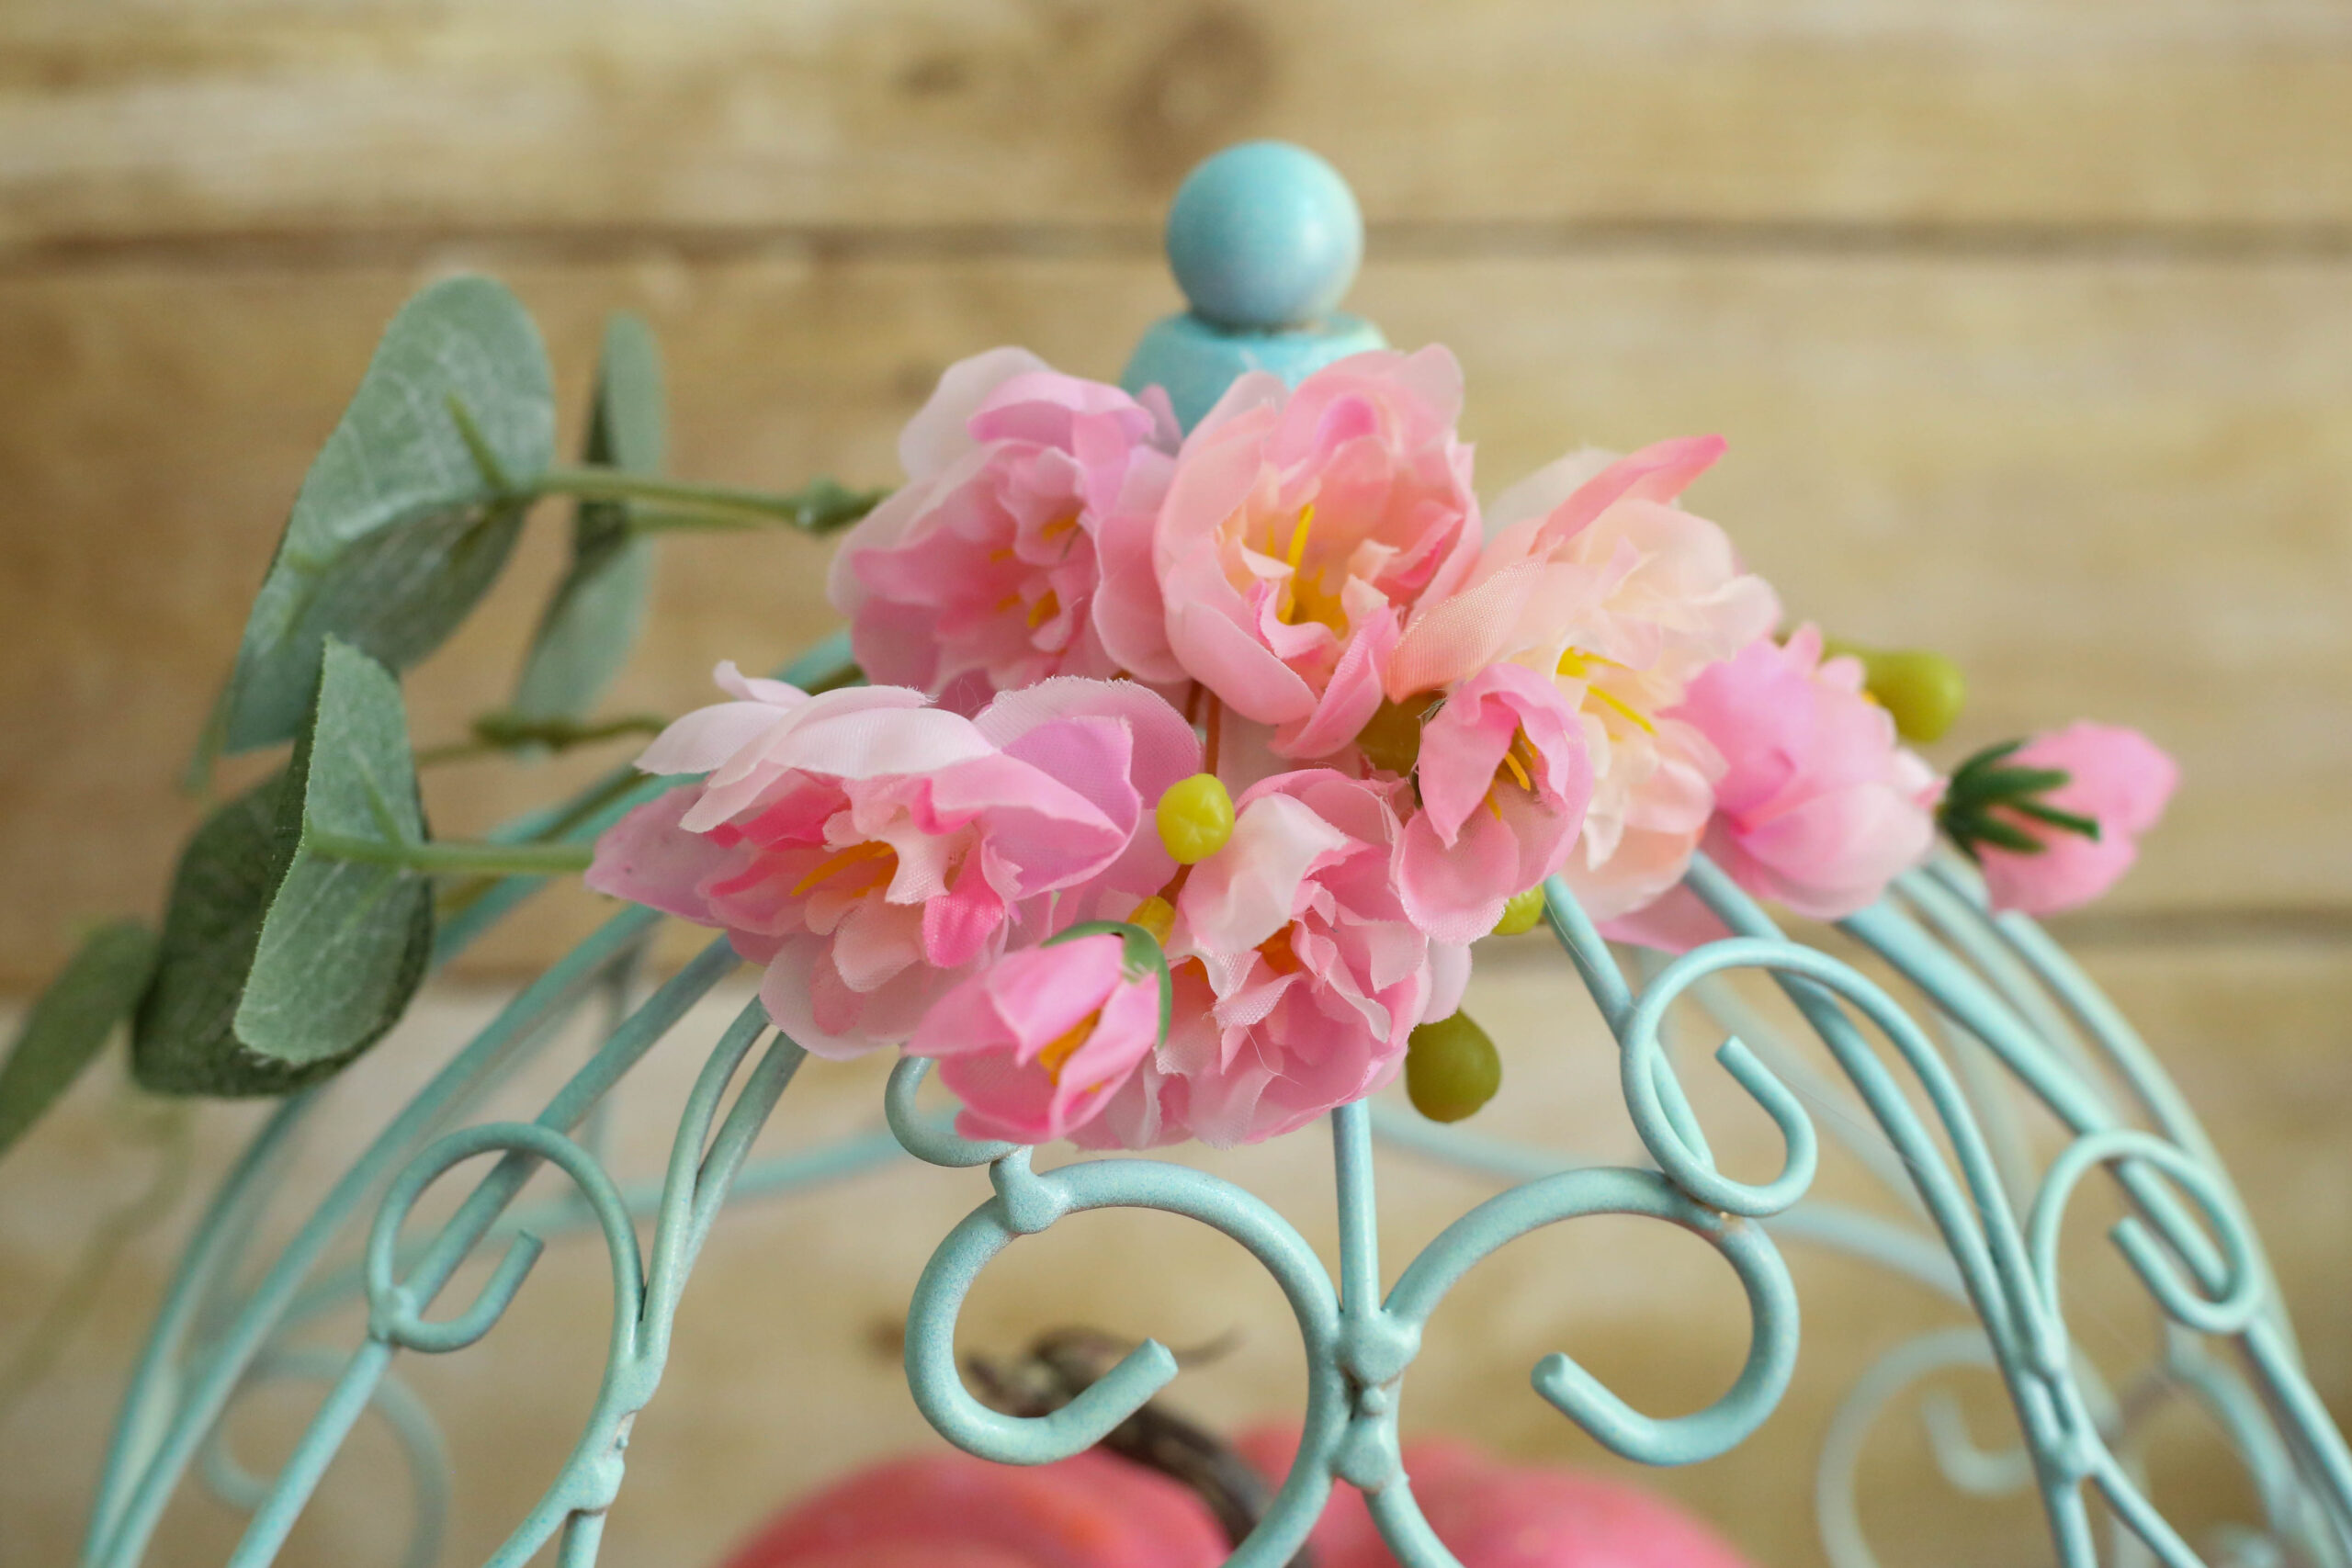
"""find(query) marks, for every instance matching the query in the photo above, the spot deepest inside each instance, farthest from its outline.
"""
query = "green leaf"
(2012, 783)
(2065, 821)
(184, 1042)
(585, 636)
(1985, 760)
(72, 1023)
(1971, 830)
(280, 964)
(411, 507)
(344, 946)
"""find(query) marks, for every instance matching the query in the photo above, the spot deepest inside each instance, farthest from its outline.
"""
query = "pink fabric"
(1299, 528)
(1035, 1044)
(1504, 780)
(1068, 728)
(870, 850)
(2117, 777)
(1298, 973)
(1594, 579)
(1819, 806)
(979, 575)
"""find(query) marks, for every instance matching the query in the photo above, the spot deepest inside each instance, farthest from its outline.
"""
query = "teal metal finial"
(1265, 236)
(1265, 239)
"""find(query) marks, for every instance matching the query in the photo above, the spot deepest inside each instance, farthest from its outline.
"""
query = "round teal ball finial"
(1263, 236)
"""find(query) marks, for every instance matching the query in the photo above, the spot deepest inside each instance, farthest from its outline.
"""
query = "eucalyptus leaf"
(410, 507)
(184, 1040)
(585, 636)
(280, 964)
(344, 946)
(72, 1023)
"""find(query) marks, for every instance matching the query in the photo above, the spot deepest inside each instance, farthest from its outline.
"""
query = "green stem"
(455, 898)
(819, 506)
(497, 732)
(455, 857)
(645, 520)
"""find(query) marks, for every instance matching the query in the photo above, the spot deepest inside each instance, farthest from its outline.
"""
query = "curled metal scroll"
(1358, 1346)
(406, 1416)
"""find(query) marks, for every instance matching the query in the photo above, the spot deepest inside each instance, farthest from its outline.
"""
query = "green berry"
(1451, 1068)
(1522, 913)
(1924, 692)
(1195, 818)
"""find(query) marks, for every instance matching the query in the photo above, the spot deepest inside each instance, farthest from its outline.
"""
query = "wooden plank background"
(2030, 323)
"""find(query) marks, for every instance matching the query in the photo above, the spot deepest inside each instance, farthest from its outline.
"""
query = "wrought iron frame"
(2013, 1012)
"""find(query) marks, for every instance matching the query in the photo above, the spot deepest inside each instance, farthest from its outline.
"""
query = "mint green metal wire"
(2001, 982)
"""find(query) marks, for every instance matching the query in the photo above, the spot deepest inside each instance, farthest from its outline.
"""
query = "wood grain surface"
(2030, 323)
(334, 124)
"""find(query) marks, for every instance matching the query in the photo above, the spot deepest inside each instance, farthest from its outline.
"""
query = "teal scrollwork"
(1926, 1089)
(1358, 1343)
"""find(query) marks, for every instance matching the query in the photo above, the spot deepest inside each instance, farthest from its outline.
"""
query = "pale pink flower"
(1594, 578)
(1113, 742)
(868, 848)
(1298, 975)
(1819, 806)
(1036, 1042)
(1503, 780)
(1299, 528)
(2117, 777)
(980, 574)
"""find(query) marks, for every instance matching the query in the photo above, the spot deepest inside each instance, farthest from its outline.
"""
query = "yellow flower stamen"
(1286, 606)
(1155, 915)
(1279, 956)
(1045, 609)
(1577, 664)
(872, 850)
(1633, 714)
(1297, 551)
(1059, 1050)
(1511, 761)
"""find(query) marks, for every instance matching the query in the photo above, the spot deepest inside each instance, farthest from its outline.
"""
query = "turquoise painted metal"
(1264, 239)
(2009, 1023)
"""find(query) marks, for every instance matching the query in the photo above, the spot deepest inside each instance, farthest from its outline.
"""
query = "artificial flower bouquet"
(1195, 764)
(1185, 772)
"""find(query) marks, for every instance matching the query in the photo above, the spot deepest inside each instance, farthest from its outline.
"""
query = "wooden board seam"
(602, 243)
